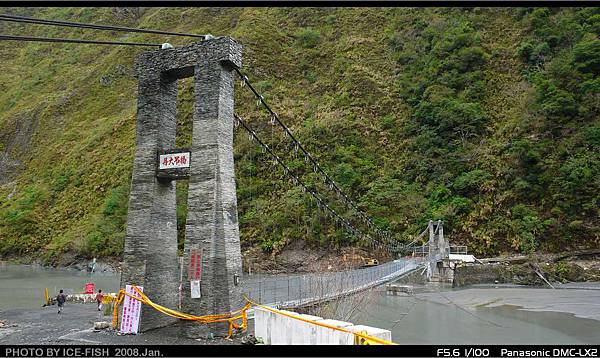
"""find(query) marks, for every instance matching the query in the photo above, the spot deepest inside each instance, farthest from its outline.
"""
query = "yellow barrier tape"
(361, 341)
(360, 335)
(108, 298)
(224, 317)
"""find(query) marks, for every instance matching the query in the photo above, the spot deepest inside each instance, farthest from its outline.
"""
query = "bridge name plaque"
(173, 164)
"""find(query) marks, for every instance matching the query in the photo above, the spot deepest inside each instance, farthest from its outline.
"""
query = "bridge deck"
(302, 290)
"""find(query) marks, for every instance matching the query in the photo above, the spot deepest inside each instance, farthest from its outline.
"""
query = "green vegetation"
(486, 118)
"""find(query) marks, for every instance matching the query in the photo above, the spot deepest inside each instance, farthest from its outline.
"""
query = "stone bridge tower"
(439, 251)
(212, 232)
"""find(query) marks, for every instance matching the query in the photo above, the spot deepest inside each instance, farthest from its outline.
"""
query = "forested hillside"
(486, 118)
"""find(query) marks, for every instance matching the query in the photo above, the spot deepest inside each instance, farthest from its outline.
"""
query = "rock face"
(300, 257)
(150, 255)
(525, 273)
(15, 139)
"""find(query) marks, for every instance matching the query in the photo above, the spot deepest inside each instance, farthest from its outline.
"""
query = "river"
(424, 319)
(434, 316)
(22, 286)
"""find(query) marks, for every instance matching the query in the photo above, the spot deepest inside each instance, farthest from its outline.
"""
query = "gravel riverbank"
(582, 303)
(75, 326)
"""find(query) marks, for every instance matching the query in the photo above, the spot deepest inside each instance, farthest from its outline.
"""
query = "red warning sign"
(195, 266)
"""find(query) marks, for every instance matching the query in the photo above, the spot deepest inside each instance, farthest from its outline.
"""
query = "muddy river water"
(434, 315)
(500, 316)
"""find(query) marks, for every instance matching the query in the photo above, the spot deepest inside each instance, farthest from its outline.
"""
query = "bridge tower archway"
(212, 232)
(439, 251)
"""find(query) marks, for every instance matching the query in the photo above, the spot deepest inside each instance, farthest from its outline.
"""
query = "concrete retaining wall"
(371, 331)
(261, 324)
(281, 328)
(278, 329)
(331, 336)
(304, 332)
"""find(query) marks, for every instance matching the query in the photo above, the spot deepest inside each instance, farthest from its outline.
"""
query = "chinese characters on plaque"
(174, 160)
(194, 272)
(130, 317)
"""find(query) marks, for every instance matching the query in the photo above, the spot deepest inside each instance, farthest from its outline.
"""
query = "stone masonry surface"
(150, 255)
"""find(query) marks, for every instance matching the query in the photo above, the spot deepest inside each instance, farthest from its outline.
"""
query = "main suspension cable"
(32, 20)
(305, 188)
(79, 41)
(328, 180)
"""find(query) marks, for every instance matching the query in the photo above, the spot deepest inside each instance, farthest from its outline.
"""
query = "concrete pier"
(396, 289)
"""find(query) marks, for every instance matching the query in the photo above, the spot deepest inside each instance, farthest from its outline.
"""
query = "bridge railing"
(420, 251)
(461, 250)
(303, 289)
(299, 289)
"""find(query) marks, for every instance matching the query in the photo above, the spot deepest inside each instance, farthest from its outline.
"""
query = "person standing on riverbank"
(60, 300)
(99, 298)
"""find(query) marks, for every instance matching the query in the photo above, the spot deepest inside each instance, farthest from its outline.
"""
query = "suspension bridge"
(298, 290)
(212, 283)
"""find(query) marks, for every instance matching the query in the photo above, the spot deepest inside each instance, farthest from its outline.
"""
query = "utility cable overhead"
(51, 39)
(31, 20)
